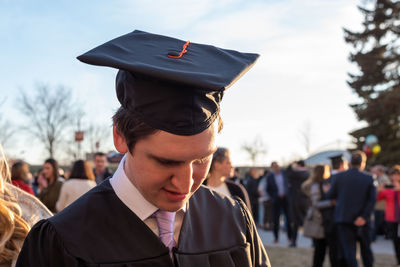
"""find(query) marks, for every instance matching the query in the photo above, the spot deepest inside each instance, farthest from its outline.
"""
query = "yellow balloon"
(376, 149)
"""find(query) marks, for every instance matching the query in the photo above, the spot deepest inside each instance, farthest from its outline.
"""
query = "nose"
(182, 180)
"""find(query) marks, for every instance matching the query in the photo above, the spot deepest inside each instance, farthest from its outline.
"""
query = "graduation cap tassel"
(176, 55)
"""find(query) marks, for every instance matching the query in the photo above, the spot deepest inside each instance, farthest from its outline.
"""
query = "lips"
(175, 196)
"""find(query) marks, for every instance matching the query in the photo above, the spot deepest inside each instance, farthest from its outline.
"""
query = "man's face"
(275, 167)
(167, 168)
(100, 162)
(254, 172)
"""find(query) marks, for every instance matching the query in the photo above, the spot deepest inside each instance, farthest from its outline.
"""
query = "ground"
(302, 257)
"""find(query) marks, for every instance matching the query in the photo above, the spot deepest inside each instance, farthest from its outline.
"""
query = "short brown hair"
(99, 154)
(357, 157)
(133, 128)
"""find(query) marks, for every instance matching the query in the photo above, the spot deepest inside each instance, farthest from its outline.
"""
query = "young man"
(355, 196)
(100, 170)
(297, 174)
(278, 189)
(154, 211)
(338, 163)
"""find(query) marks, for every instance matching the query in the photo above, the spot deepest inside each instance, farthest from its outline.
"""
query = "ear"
(119, 141)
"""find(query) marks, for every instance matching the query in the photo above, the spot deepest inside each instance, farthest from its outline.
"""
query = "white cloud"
(300, 76)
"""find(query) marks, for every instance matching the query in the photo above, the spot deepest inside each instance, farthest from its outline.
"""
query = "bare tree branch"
(49, 112)
(254, 149)
(7, 130)
(305, 136)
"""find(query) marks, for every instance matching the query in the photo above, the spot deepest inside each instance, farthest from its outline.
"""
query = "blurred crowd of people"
(277, 193)
(25, 198)
(57, 188)
(336, 205)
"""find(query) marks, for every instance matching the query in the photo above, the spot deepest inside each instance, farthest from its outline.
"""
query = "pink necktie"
(165, 222)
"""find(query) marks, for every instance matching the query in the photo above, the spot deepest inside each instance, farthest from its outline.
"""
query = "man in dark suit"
(251, 185)
(355, 197)
(339, 164)
(277, 188)
(297, 174)
(100, 169)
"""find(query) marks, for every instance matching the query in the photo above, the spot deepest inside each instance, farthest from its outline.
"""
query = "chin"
(172, 207)
(168, 205)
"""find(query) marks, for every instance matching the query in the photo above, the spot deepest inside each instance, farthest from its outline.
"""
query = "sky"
(298, 83)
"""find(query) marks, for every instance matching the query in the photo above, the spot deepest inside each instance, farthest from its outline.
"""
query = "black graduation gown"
(236, 191)
(298, 201)
(99, 230)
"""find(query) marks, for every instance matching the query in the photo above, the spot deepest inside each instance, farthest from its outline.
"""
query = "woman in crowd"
(80, 181)
(20, 176)
(18, 212)
(50, 186)
(392, 213)
(313, 187)
(221, 169)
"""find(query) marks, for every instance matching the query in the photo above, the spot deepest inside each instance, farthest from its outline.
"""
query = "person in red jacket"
(392, 213)
(20, 176)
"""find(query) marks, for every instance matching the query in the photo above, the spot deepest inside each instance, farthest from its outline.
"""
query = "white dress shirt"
(134, 200)
(262, 189)
(280, 183)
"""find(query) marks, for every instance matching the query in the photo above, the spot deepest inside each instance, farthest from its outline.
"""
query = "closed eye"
(167, 162)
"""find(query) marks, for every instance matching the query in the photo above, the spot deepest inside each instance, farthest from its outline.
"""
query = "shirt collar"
(130, 195)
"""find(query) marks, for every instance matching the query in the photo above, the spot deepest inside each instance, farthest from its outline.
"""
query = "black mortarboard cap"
(172, 85)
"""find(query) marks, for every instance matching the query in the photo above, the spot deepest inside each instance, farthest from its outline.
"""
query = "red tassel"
(182, 52)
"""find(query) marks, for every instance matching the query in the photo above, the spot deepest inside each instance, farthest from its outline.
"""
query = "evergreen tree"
(377, 54)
